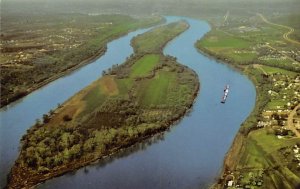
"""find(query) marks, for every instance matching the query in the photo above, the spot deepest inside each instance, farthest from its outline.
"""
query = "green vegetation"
(291, 20)
(220, 39)
(143, 66)
(246, 45)
(132, 101)
(153, 43)
(34, 54)
(264, 153)
(272, 70)
(155, 92)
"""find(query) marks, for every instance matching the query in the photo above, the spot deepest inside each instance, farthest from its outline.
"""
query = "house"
(230, 183)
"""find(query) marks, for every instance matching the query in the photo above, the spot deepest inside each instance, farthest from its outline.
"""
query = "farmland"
(129, 103)
(265, 150)
(51, 45)
(152, 42)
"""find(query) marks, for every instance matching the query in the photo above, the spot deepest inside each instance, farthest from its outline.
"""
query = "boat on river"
(226, 91)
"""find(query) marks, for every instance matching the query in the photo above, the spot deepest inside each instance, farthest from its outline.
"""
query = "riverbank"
(138, 94)
(30, 181)
(264, 161)
(55, 77)
(235, 151)
(73, 59)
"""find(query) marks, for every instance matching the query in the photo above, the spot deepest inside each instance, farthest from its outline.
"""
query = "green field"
(143, 66)
(228, 46)
(291, 20)
(152, 42)
(124, 85)
(262, 154)
(274, 103)
(30, 59)
(273, 70)
(220, 40)
(132, 101)
(94, 98)
(155, 92)
(259, 49)
(243, 56)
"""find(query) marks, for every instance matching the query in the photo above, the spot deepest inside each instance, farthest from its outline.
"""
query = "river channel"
(189, 155)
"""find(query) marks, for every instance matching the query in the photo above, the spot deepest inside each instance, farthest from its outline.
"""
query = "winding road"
(285, 35)
(290, 124)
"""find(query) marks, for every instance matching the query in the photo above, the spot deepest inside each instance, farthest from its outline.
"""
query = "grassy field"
(156, 91)
(244, 56)
(259, 158)
(291, 21)
(228, 46)
(262, 154)
(129, 103)
(143, 66)
(218, 39)
(273, 70)
(246, 44)
(29, 60)
(155, 40)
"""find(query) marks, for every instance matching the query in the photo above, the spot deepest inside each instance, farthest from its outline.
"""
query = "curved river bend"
(190, 155)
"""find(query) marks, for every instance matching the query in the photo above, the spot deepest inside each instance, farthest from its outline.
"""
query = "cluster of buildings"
(285, 90)
(296, 150)
(22, 51)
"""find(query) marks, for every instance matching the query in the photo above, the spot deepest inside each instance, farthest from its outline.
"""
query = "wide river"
(190, 155)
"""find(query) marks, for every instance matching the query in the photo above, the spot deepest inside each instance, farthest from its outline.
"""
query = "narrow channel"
(190, 155)
(16, 118)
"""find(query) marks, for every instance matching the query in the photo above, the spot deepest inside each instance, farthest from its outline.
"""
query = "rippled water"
(190, 155)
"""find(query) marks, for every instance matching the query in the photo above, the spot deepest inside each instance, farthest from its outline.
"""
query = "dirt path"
(258, 66)
(226, 17)
(290, 124)
(285, 35)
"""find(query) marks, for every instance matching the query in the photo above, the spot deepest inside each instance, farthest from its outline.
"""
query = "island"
(52, 45)
(129, 103)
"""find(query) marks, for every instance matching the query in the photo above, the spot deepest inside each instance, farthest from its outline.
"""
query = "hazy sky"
(150, 5)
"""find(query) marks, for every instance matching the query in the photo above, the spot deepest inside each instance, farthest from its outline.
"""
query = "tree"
(75, 151)
(67, 118)
(37, 122)
(89, 145)
(51, 112)
(46, 118)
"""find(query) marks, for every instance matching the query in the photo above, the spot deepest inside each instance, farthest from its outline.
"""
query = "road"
(226, 17)
(283, 54)
(258, 66)
(285, 35)
(290, 124)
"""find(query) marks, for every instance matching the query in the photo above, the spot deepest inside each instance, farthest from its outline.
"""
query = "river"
(190, 155)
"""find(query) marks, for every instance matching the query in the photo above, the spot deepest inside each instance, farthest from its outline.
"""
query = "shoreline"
(74, 166)
(235, 150)
(67, 71)
(64, 73)
(18, 176)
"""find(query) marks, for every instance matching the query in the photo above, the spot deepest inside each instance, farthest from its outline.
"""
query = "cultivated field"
(266, 150)
(131, 102)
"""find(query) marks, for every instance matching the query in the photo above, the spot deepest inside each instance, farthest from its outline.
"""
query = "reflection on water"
(191, 153)
(17, 117)
(130, 150)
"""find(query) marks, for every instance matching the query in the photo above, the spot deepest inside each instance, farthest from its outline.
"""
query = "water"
(21, 115)
(190, 155)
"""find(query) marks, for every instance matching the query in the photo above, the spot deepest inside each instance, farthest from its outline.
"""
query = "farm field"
(268, 153)
(51, 45)
(129, 103)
